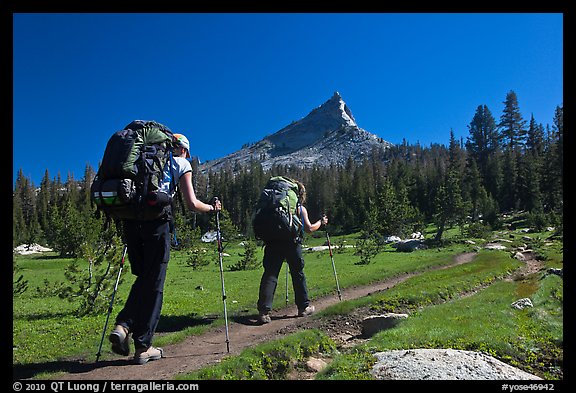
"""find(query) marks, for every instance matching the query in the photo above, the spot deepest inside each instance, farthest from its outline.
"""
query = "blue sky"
(228, 79)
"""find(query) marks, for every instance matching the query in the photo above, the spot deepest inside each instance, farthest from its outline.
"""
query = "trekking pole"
(333, 265)
(219, 239)
(286, 283)
(111, 302)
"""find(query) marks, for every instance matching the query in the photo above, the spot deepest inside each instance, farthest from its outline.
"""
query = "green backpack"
(275, 217)
(128, 179)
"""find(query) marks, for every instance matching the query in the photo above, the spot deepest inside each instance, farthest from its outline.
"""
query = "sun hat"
(183, 141)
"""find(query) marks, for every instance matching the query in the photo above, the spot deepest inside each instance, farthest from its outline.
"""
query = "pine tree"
(84, 200)
(456, 156)
(494, 178)
(559, 128)
(553, 165)
(530, 196)
(68, 230)
(386, 217)
(43, 202)
(513, 135)
(362, 184)
(90, 280)
(535, 138)
(483, 141)
(449, 204)
(451, 207)
(530, 169)
(249, 260)
(26, 229)
(509, 191)
(512, 126)
(19, 228)
(473, 189)
(344, 207)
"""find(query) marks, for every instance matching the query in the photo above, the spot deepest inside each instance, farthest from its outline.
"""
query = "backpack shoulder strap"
(301, 220)
(173, 183)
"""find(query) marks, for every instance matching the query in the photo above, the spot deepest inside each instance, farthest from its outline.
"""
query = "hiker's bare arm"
(190, 199)
(308, 226)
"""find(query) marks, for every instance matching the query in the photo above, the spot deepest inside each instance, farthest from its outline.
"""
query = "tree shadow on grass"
(27, 371)
(46, 257)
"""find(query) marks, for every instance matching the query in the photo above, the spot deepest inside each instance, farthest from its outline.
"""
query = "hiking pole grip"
(218, 233)
(214, 200)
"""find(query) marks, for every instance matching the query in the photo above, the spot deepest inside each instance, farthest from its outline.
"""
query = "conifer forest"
(505, 164)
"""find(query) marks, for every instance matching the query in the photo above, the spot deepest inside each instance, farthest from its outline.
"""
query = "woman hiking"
(275, 252)
(148, 244)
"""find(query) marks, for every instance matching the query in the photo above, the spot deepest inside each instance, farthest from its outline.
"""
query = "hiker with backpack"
(161, 157)
(280, 221)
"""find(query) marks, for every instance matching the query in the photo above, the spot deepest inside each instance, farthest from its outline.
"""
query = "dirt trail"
(196, 352)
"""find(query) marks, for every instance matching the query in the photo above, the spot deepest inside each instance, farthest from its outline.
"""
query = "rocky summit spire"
(327, 135)
(339, 107)
(330, 116)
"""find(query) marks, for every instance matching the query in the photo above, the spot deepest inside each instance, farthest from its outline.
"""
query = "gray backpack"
(128, 179)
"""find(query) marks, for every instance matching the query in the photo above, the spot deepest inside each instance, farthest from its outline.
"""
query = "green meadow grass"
(463, 307)
(271, 360)
(483, 320)
(46, 331)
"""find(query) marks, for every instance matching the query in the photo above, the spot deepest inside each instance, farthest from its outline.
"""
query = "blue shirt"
(177, 168)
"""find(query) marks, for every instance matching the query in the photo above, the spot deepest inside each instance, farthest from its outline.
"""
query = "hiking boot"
(143, 355)
(120, 340)
(264, 318)
(307, 311)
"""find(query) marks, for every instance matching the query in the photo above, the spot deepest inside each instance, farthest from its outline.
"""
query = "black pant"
(148, 251)
(274, 256)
